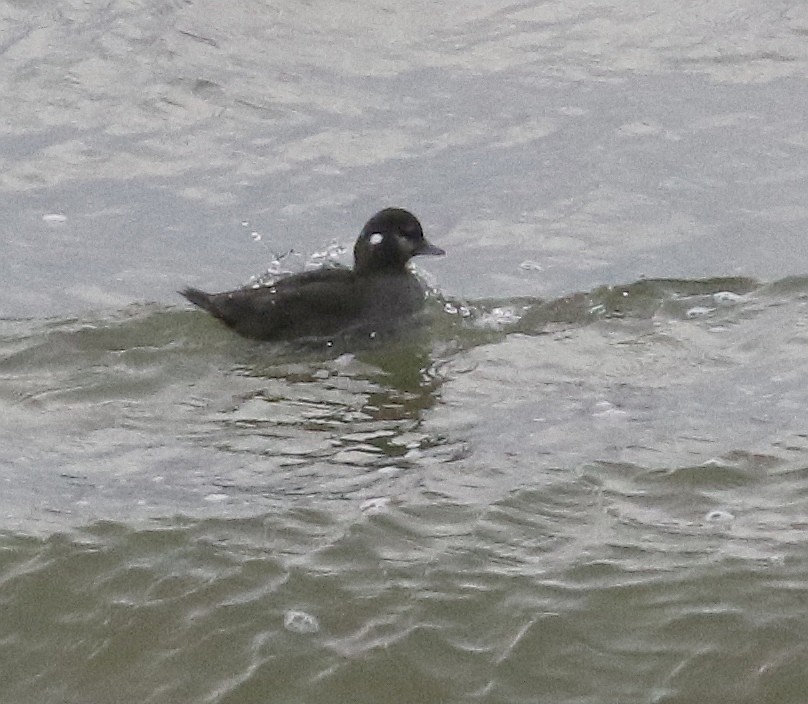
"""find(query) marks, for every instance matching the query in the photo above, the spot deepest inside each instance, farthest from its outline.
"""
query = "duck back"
(315, 304)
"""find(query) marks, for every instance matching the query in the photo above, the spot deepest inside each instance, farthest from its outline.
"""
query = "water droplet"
(332, 252)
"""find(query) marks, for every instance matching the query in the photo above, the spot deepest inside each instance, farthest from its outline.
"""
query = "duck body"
(377, 292)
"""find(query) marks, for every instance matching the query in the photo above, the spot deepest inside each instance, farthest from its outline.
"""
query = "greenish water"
(597, 498)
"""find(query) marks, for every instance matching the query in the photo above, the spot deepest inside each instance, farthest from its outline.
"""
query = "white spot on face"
(376, 238)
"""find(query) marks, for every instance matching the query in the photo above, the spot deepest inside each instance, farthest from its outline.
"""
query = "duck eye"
(376, 238)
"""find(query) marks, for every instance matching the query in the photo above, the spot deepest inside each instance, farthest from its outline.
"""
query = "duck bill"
(429, 248)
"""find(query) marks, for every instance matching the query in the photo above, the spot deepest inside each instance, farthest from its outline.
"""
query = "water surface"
(583, 479)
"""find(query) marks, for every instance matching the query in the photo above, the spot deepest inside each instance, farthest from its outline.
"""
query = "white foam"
(300, 622)
(371, 507)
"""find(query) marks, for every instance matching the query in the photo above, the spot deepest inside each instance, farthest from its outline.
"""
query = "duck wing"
(316, 303)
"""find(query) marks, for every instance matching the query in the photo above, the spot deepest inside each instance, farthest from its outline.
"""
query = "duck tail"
(199, 298)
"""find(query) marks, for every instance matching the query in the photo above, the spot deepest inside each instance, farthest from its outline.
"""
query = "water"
(583, 479)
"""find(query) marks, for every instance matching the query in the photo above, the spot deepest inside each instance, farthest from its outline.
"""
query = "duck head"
(389, 240)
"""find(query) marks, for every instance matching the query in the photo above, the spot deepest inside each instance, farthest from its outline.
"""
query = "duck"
(379, 290)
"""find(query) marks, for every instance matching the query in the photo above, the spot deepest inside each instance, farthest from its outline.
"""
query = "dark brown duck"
(379, 290)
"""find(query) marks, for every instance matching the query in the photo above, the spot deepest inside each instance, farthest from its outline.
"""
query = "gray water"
(583, 479)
